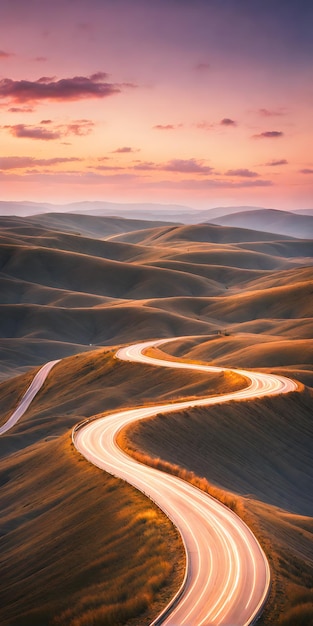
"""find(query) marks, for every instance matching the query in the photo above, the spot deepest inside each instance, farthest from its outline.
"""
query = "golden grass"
(12, 391)
(285, 537)
(64, 522)
(219, 383)
(233, 501)
(55, 523)
(300, 611)
(90, 549)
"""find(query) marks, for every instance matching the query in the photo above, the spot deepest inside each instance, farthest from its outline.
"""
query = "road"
(28, 396)
(227, 574)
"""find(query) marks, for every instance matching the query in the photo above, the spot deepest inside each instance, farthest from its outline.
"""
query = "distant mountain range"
(270, 220)
(297, 223)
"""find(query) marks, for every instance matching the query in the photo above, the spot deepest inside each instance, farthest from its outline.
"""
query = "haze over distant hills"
(69, 280)
(96, 208)
(296, 223)
(75, 284)
(270, 220)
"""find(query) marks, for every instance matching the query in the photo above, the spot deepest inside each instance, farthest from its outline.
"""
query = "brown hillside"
(260, 452)
(70, 282)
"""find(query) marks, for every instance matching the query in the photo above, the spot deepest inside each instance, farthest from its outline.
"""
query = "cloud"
(202, 67)
(180, 166)
(275, 162)
(80, 178)
(226, 121)
(106, 168)
(20, 110)
(33, 132)
(40, 59)
(306, 170)
(269, 134)
(79, 128)
(85, 26)
(65, 89)
(5, 55)
(198, 184)
(125, 150)
(17, 162)
(204, 125)
(167, 126)
(243, 172)
(187, 166)
(272, 112)
(70, 177)
(146, 166)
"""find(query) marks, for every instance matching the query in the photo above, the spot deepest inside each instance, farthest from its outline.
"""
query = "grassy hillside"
(81, 544)
(256, 457)
(63, 291)
(72, 284)
(72, 553)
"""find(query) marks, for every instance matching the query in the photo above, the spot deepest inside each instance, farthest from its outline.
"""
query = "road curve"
(227, 575)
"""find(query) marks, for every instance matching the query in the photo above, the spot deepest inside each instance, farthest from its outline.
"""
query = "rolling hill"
(271, 220)
(71, 284)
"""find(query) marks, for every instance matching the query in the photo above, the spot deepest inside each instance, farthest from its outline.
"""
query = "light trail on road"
(28, 396)
(227, 574)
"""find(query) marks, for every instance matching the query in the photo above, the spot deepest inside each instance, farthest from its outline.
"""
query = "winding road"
(227, 575)
(28, 396)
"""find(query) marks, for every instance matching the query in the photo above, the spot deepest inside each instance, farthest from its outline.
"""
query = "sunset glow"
(193, 102)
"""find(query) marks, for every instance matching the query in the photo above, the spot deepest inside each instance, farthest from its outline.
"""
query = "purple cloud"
(269, 134)
(5, 55)
(205, 125)
(71, 177)
(180, 166)
(306, 170)
(275, 162)
(192, 183)
(66, 89)
(226, 121)
(243, 172)
(124, 150)
(272, 112)
(105, 168)
(20, 110)
(33, 132)
(167, 126)
(187, 166)
(17, 162)
(146, 166)
(202, 67)
(77, 127)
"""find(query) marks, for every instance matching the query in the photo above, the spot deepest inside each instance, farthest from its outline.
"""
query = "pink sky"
(198, 103)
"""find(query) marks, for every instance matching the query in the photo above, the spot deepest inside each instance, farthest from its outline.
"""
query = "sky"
(194, 102)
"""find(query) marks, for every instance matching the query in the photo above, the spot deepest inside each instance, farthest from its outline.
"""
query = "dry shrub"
(300, 615)
(300, 607)
(107, 614)
(230, 500)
